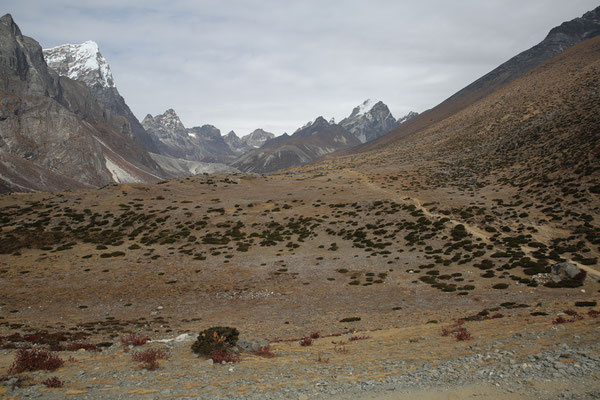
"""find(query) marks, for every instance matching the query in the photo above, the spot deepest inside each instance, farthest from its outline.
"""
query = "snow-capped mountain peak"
(82, 62)
(364, 107)
(257, 138)
(369, 120)
(165, 125)
(170, 119)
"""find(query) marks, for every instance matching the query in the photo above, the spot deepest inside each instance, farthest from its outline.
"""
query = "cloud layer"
(274, 64)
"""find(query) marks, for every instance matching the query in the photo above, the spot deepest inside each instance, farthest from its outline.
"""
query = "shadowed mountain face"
(55, 134)
(306, 144)
(200, 143)
(558, 39)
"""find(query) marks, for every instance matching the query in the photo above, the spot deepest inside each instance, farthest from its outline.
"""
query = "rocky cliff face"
(369, 120)
(306, 144)
(84, 63)
(54, 133)
(248, 142)
(173, 139)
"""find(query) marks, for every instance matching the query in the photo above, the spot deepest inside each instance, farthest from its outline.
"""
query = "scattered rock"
(565, 270)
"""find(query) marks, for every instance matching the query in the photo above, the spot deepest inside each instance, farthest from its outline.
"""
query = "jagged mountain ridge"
(306, 144)
(55, 134)
(253, 140)
(173, 139)
(369, 120)
(257, 138)
(407, 117)
(235, 143)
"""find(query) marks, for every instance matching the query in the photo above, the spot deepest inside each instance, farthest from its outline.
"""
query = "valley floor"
(514, 357)
(282, 257)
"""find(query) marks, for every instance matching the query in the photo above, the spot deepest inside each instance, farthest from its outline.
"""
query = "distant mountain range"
(366, 122)
(200, 143)
(64, 125)
(261, 151)
(313, 140)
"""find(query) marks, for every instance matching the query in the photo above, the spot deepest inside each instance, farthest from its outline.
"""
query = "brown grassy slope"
(544, 126)
(529, 152)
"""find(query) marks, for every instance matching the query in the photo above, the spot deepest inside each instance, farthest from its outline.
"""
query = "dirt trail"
(473, 230)
(417, 203)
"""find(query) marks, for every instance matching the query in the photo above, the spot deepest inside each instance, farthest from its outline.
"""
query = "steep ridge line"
(473, 230)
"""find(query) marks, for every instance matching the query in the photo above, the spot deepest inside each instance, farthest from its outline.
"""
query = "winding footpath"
(473, 230)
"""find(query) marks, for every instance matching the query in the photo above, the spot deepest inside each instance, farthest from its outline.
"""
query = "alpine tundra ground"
(407, 291)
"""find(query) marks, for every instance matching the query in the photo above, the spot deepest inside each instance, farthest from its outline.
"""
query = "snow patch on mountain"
(369, 120)
(366, 106)
(407, 117)
(82, 62)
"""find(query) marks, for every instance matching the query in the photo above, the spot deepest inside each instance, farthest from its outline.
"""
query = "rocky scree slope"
(55, 134)
(178, 167)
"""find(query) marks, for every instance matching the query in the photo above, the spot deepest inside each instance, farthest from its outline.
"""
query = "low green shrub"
(215, 339)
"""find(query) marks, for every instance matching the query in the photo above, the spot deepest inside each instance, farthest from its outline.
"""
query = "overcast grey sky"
(275, 64)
